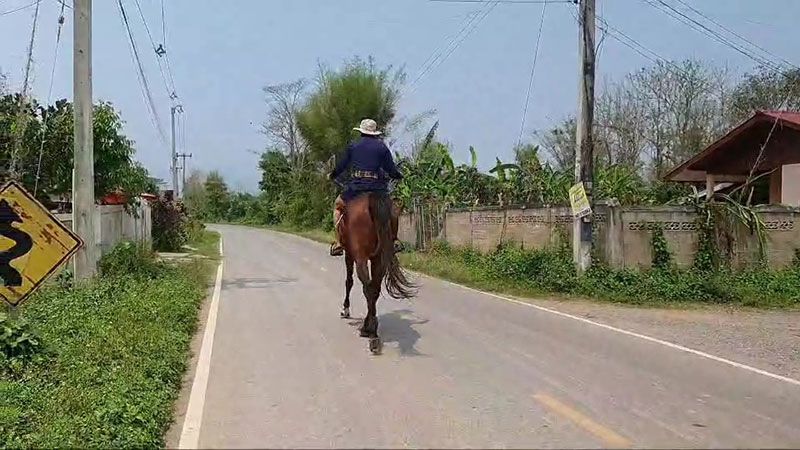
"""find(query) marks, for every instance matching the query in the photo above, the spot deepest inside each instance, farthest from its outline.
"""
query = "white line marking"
(190, 435)
(629, 333)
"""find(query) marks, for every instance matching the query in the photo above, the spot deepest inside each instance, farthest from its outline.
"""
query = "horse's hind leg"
(362, 270)
(348, 285)
(371, 320)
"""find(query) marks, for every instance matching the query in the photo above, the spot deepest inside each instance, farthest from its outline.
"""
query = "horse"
(368, 230)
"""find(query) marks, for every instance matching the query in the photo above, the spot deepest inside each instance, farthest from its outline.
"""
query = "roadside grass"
(536, 273)
(113, 353)
(549, 273)
(207, 244)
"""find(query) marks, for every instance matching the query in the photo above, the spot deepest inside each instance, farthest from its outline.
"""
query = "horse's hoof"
(345, 314)
(375, 345)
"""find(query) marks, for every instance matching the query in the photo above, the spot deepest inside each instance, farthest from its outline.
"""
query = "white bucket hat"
(368, 127)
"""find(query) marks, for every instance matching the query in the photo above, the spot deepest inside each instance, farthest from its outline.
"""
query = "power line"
(533, 72)
(530, 2)
(734, 33)
(11, 11)
(141, 75)
(21, 122)
(448, 41)
(697, 26)
(46, 117)
(454, 46)
(160, 52)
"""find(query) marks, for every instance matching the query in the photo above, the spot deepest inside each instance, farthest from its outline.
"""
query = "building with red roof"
(764, 147)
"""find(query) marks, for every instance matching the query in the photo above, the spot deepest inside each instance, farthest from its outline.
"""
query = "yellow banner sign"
(33, 244)
(579, 201)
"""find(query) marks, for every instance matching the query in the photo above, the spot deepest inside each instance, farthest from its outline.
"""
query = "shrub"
(130, 258)
(169, 225)
(19, 345)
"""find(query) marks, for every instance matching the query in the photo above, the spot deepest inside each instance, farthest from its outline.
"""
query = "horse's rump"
(370, 236)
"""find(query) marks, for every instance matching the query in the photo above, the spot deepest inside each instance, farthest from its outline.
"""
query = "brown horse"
(368, 230)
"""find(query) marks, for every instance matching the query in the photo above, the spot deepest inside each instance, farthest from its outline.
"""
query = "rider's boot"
(336, 247)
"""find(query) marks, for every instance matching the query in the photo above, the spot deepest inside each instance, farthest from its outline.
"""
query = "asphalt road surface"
(459, 369)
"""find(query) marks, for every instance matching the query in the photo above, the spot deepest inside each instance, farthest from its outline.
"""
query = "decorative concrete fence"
(622, 234)
(116, 225)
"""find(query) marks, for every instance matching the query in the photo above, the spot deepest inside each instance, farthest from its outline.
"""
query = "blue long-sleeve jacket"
(368, 154)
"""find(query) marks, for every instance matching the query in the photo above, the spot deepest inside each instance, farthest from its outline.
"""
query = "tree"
(194, 195)
(275, 173)
(45, 160)
(342, 99)
(682, 109)
(217, 196)
(284, 101)
(766, 89)
(559, 143)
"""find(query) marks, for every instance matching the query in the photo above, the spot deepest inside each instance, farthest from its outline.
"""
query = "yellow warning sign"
(33, 243)
(579, 201)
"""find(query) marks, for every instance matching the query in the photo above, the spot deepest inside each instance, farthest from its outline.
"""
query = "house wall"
(117, 225)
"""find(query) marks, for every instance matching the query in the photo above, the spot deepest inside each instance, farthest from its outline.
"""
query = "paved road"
(459, 369)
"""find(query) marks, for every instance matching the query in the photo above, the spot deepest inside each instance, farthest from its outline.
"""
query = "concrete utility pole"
(183, 157)
(83, 207)
(584, 153)
(174, 167)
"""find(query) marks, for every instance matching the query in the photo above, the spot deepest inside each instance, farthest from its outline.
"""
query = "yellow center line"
(609, 437)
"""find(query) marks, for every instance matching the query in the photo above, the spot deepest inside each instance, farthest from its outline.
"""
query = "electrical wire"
(21, 123)
(12, 11)
(143, 83)
(536, 2)
(447, 42)
(734, 33)
(533, 72)
(452, 48)
(169, 82)
(46, 117)
(697, 26)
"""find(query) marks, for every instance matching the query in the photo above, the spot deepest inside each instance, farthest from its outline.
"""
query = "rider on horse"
(371, 162)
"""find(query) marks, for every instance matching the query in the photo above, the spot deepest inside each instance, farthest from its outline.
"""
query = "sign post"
(579, 201)
(33, 244)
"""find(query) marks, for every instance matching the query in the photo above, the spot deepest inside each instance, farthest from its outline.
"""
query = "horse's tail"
(380, 210)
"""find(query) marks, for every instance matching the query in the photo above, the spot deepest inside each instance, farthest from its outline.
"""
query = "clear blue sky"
(223, 52)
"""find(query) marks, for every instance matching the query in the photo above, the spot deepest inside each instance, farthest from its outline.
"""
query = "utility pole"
(584, 153)
(83, 207)
(183, 157)
(174, 167)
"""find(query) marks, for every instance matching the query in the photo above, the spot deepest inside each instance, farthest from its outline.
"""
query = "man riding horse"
(371, 162)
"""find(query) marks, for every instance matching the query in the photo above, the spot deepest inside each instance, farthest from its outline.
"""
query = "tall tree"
(217, 196)
(275, 173)
(342, 99)
(765, 89)
(284, 102)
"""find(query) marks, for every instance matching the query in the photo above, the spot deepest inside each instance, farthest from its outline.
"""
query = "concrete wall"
(116, 225)
(622, 234)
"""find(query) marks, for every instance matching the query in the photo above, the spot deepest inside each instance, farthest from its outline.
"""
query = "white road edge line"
(625, 332)
(190, 435)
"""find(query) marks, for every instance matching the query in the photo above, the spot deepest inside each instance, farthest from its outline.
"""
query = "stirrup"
(336, 250)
